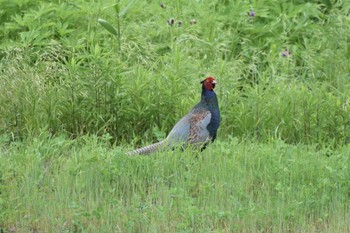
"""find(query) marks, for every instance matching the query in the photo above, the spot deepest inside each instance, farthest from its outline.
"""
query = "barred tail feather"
(147, 149)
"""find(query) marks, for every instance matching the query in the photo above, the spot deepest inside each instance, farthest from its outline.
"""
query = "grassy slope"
(60, 185)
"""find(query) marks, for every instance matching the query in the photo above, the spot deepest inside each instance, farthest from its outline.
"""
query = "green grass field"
(60, 185)
(74, 97)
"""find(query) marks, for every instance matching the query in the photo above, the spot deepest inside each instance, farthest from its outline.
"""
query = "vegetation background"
(75, 96)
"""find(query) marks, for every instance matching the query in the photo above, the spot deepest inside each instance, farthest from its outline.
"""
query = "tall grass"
(60, 185)
(77, 81)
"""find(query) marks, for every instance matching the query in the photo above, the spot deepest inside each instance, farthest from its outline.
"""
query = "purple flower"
(251, 13)
(286, 53)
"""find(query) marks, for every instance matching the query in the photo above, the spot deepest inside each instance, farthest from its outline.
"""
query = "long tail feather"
(147, 149)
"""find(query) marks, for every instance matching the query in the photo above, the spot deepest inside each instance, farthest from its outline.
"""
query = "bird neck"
(209, 98)
(207, 94)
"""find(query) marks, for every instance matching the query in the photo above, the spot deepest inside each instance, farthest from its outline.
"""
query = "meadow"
(82, 82)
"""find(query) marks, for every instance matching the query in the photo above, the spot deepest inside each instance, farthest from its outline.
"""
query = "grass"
(73, 77)
(74, 97)
(60, 185)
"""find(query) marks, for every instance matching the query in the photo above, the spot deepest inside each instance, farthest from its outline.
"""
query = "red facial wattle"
(209, 83)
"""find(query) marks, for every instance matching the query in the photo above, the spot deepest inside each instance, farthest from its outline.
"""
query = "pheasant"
(197, 128)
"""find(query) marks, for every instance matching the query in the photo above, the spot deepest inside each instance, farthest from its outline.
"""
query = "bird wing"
(192, 128)
(198, 127)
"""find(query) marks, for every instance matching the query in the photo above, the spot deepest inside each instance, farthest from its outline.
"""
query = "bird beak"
(214, 82)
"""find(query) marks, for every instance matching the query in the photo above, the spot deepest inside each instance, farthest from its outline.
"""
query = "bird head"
(209, 83)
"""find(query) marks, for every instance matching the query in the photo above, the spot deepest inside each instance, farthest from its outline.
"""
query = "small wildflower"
(286, 53)
(193, 21)
(171, 21)
(251, 13)
(162, 5)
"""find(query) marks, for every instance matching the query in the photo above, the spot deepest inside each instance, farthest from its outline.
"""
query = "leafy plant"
(281, 73)
(110, 28)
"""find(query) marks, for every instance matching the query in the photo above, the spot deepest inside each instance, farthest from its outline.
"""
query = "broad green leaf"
(117, 8)
(108, 26)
